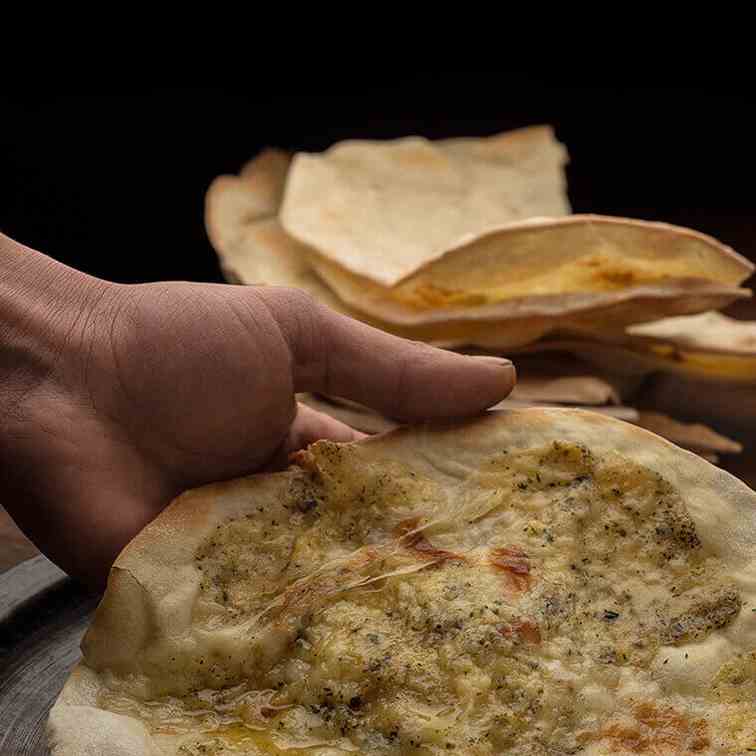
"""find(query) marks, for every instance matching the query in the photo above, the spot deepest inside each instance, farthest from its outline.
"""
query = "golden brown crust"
(702, 271)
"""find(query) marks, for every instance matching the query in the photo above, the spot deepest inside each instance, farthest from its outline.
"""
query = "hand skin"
(114, 398)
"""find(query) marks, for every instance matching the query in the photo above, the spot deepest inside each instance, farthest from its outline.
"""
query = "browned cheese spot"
(514, 563)
(415, 540)
(658, 730)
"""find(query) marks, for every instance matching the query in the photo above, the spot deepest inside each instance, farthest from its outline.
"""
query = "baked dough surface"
(531, 582)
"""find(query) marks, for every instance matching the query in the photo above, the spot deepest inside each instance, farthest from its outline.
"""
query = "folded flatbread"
(628, 269)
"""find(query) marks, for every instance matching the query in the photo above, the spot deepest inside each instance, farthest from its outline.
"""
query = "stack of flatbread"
(469, 244)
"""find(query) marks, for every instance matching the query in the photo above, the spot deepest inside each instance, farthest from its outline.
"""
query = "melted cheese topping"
(525, 609)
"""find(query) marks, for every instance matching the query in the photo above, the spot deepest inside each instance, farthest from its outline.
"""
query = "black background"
(115, 184)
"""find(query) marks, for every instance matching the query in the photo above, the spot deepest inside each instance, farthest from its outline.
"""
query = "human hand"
(116, 398)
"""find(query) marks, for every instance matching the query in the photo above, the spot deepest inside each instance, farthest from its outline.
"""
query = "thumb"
(336, 355)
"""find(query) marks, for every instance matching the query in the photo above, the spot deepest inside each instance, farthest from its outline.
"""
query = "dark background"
(114, 184)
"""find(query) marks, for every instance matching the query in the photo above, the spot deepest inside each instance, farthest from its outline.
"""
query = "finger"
(309, 426)
(336, 355)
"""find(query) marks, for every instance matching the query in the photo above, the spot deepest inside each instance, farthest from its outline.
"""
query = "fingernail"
(500, 361)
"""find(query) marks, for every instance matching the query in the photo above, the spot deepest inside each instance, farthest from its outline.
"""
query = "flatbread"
(563, 378)
(709, 332)
(708, 347)
(233, 202)
(254, 248)
(530, 582)
(542, 381)
(385, 209)
(546, 267)
(642, 360)
(694, 436)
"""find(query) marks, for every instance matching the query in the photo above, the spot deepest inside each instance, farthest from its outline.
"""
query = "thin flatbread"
(704, 356)
(693, 436)
(545, 267)
(385, 209)
(572, 387)
(539, 581)
(709, 345)
(565, 379)
(709, 332)
(254, 249)
(233, 202)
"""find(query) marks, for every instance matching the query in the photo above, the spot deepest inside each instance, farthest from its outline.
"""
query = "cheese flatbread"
(530, 582)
